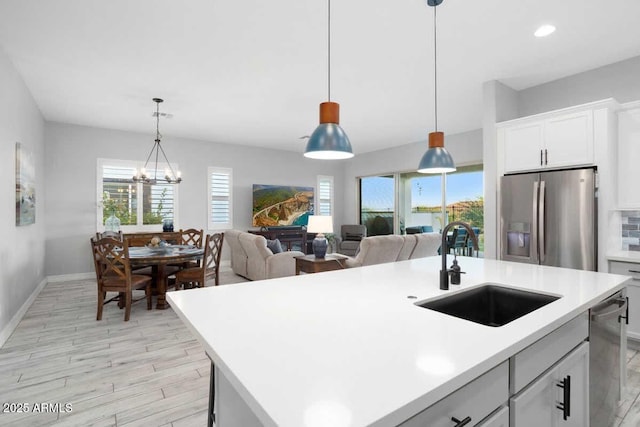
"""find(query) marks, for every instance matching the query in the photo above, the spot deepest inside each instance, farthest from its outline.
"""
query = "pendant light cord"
(329, 50)
(435, 67)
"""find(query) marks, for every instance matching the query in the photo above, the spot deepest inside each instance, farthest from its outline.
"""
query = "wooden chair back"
(191, 236)
(212, 253)
(210, 265)
(113, 274)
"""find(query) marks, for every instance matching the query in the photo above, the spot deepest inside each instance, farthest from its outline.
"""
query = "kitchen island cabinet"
(559, 397)
(351, 347)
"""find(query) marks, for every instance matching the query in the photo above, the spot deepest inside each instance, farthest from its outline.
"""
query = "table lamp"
(320, 224)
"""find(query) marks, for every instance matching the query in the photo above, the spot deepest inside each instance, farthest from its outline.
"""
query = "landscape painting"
(25, 186)
(278, 205)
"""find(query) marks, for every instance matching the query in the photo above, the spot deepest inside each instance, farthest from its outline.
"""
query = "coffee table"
(311, 264)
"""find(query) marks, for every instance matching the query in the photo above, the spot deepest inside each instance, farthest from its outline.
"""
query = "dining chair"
(113, 274)
(194, 237)
(460, 241)
(209, 268)
(191, 236)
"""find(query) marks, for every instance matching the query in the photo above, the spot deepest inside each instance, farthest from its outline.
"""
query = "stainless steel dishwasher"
(607, 358)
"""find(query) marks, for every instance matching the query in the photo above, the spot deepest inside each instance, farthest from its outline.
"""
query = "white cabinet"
(498, 419)
(633, 293)
(560, 397)
(472, 402)
(628, 155)
(556, 141)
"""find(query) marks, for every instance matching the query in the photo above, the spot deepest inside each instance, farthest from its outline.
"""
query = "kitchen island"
(351, 347)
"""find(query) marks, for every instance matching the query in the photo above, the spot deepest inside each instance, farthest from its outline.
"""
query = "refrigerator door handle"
(541, 229)
(534, 227)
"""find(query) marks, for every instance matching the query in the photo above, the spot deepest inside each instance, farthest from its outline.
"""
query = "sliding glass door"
(389, 204)
(377, 204)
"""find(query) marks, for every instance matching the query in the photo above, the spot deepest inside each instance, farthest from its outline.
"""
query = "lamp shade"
(320, 224)
(329, 141)
(437, 159)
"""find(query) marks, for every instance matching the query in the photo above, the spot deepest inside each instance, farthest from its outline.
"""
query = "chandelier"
(170, 177)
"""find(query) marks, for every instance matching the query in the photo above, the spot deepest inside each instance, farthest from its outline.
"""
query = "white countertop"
(625, 256)
(349, 348)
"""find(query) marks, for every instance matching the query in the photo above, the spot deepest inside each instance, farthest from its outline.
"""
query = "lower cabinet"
(470, 405)
(500, 418)
(560, 397)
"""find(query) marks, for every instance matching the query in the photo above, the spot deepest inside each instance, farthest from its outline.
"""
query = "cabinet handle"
(565, 406)
(545, 156)
(634, 271)
(461, 423)
(541, 157)
(626, 313)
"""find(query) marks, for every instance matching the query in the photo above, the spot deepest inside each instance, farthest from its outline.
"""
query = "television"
(281, 206)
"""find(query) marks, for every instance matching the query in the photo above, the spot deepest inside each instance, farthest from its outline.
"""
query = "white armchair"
(264, 264)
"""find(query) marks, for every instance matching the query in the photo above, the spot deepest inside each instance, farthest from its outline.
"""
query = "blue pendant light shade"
(437, 159)
(329, 141)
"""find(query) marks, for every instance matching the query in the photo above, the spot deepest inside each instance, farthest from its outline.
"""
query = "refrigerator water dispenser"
(518, 239)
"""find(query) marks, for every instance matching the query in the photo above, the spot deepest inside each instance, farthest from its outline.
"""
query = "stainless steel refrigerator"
(550, 218)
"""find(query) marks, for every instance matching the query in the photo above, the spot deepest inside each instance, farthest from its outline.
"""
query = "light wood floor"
(149, 371)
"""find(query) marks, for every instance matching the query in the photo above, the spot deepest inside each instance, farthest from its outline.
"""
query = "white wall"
(72, 153)
(22, 249)
(620, 80)
(500, 104)
(465, 148)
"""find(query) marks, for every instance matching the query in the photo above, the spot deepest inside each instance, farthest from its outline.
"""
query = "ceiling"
(253, 72)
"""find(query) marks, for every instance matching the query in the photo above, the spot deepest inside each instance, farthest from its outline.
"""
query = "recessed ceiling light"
(544, 30)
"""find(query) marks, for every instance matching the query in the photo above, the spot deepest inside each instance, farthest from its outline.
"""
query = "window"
(138, 206)
(325, 195)
(377, 204)
(220, 198)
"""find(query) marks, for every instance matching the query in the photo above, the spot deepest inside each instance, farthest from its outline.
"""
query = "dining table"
(158, 258)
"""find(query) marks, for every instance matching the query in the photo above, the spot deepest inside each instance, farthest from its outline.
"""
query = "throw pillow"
(352, 236)
(274, 246)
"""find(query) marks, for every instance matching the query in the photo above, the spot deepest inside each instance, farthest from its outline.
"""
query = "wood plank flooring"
(149, 371)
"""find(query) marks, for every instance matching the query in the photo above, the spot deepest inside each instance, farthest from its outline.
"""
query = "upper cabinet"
(628, 155)
(556, 141)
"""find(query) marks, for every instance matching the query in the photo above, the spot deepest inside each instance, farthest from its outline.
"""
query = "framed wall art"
(25, 186)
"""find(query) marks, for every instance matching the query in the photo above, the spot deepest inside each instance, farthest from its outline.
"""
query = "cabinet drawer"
(627, 268)
(538, 357)
(476, 400)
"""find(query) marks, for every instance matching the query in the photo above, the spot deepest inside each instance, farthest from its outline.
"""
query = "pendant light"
(329, 141)
(170, 177)
(437, 159)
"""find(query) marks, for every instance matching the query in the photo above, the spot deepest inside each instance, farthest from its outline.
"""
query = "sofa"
(253, 260)
(391, 248)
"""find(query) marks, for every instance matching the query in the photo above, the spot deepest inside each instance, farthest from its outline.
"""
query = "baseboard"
(70, 277)
(13, 324)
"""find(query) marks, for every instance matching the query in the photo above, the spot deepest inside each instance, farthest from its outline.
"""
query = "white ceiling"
(253, 72)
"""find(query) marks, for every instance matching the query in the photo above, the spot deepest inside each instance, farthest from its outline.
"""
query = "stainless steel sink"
(490, 304)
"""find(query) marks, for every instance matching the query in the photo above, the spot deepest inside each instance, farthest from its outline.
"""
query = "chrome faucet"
(444, 273)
